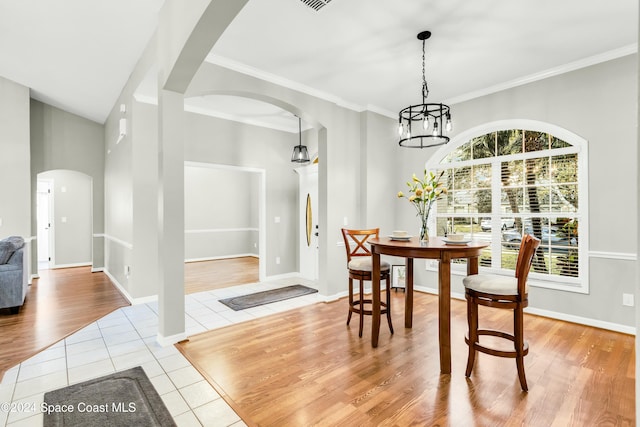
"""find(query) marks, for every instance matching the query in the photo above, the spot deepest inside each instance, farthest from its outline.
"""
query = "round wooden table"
(435, 248)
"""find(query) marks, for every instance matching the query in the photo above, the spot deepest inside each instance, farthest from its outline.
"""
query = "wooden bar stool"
(359, 265)
(492, 290)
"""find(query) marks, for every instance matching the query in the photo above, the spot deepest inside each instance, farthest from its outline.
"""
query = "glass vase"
(424, 231)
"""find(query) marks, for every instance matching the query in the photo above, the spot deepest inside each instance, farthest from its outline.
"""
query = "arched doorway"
(64, 219)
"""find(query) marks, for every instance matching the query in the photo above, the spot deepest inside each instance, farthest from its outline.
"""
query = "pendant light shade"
(300, 152)
(424, 125)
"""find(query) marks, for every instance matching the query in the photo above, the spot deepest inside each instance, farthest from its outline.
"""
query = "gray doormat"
(125, 398)
(266, 297)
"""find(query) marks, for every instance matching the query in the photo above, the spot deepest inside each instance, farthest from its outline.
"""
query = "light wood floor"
(306, 367)
(58, 304)
(223, 273)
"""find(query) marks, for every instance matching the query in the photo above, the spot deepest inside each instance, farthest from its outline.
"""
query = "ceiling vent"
(316, 4)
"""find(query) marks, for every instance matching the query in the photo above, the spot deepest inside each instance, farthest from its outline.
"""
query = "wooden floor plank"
(306, 367)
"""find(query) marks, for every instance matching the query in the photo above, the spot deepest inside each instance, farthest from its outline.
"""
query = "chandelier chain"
(425, 87)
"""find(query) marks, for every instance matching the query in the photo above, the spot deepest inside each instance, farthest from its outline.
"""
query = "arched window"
(510, 178)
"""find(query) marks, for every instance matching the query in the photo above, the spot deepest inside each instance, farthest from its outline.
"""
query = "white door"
(308, 246)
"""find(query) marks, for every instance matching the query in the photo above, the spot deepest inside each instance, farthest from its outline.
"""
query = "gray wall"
(15, 208)
(221, 212)
(597, 103)
(64, 141)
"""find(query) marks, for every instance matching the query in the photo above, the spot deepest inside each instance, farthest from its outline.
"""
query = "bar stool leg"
(388, 292)
(350, 300)
(472, 317)
(361, 307)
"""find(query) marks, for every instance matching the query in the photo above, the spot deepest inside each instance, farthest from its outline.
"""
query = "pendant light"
(300, 152)
(424, 125)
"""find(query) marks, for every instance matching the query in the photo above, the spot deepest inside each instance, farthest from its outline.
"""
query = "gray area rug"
(125, 398)
(266, 297)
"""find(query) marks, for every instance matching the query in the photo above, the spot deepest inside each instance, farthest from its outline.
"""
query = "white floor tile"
(130, 360)
(147, 331)
(25, 408)
(83, 346)
(216, 413)
(51, 353)
(40, 384)
(116, 330)
(119, 338)
(79, 359)
(171, 363)
(185, 376)
(162, 383)
(236, 316)
(90, 371)
(42, 368)
(199, 394)
(188, 419)
(175, 403)
(158, 350)
(11, 376)
(34, 420)
(89, 334)
(152, 368)
(127, 347)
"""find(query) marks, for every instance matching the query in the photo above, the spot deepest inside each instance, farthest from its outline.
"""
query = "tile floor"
(127, 338)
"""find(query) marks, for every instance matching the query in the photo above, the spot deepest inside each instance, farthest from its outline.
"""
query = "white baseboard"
(132, 300)
(170, 340)
(97, 269)
(616, 327)
(117, 284)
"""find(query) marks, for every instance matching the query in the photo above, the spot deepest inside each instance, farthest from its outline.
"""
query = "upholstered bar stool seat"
(493, 284)
(365, 264)
(359, 264)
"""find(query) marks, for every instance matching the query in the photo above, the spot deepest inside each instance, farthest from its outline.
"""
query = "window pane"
(484, 146)
(461, 153)
(537, 171)
(512, 173)
(482, 176)
(558, 143)
(461, 178)
(511, 200)
(566, 264)
(509, 142)
(535, 141)
(536, 199)
(564, 198)
(564, 169)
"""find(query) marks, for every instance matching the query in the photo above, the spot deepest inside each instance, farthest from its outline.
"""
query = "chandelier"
(300, 153)
(424, 125)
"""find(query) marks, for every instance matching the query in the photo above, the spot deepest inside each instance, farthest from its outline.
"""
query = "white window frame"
(579, 145)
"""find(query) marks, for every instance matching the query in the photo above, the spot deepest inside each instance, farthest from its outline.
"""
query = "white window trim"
(579, 285)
